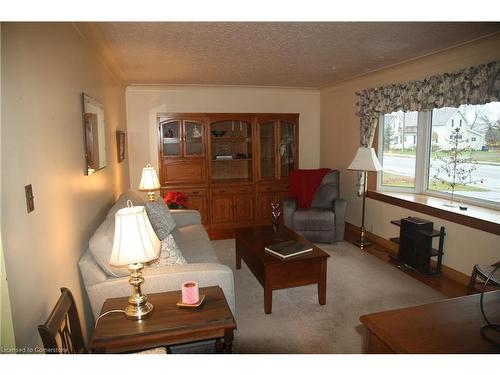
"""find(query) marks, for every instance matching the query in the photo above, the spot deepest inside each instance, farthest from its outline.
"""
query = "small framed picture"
(120, 145)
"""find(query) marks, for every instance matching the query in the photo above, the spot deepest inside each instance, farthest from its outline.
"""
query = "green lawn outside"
(392, 179)
(484, 156)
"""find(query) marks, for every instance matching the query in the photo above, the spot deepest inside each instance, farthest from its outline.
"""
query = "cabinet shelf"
(171, 140)
(396, 222)
(433, 233)
(433, 253)
(231, 139)
(226, 160)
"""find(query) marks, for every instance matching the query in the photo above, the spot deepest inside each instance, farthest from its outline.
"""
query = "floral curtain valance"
(474, 85)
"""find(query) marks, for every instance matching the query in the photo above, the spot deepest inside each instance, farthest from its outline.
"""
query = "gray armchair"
(325, 220)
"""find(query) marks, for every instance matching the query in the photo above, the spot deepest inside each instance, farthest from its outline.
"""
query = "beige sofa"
(202, 264)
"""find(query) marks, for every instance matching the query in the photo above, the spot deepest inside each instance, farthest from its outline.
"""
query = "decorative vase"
(276, 213)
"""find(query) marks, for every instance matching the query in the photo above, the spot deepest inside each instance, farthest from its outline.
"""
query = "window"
(398, 155)
(443, 150)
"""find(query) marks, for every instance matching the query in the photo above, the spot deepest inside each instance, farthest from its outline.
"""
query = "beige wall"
(340, 138)
(143, 103)
(45, 67)
(6, 330)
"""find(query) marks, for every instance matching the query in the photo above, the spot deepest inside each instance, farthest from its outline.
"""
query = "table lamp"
(364, 161)
(149, 182)
(135, 243)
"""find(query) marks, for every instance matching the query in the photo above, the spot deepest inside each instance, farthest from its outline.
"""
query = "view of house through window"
(465, 151)
(399, 149)
(458, 152)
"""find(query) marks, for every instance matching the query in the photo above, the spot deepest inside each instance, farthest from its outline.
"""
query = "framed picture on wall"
(120, 145)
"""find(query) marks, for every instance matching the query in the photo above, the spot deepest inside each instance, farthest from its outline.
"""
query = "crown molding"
(91, 32)
(160, 87)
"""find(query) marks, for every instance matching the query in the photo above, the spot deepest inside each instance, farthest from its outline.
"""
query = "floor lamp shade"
(365, 160)
(135, 240)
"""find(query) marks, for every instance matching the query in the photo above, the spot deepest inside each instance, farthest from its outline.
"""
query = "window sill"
(481, 218)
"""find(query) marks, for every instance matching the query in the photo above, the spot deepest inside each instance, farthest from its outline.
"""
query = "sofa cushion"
(169, 255)
(195, 244)
(160, 217)
(101, 246)
(136, 199)
(314, 219)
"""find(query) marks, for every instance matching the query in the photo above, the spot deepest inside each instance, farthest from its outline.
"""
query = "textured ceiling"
(294, 54)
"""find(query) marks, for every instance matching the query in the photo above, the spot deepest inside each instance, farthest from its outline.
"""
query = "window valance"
(478, 84)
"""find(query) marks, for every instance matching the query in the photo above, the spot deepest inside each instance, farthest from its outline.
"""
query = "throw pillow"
(169, 255)
(160, 217)
(324, 196)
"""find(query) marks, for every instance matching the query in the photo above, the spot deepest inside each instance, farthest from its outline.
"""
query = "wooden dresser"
(231, 166)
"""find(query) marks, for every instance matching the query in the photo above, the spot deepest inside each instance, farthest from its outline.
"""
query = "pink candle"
(190, 293)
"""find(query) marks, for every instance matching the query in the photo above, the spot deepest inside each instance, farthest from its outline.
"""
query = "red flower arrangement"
(175, 199)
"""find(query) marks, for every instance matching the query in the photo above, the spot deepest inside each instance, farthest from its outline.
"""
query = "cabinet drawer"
(195, 191)
(189, 191)
(232, 190)
(272, 188)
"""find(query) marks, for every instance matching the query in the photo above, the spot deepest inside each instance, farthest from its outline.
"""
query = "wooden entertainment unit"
(231, 166)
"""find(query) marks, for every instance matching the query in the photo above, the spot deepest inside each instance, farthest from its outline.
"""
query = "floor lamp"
(364, 161)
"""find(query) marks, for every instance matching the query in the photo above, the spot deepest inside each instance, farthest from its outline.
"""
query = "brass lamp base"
(362, 243)
(151, 196)
(138, 306)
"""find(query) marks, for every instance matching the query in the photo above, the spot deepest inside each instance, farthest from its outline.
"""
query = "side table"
(168, 324)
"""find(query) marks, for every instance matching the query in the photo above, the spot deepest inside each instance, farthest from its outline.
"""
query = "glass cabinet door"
(287, 148)
(170, 138)
(267, 150)
(193, 138)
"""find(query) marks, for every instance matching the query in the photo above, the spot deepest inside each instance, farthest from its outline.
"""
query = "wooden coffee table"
(168, 324)
(275, 273)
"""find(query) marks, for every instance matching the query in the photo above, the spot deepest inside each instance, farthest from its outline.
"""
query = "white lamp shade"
(149, 179)
(135, 240)
(365, 160)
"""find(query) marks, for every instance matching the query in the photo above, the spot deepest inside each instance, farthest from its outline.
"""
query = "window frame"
(422, 164)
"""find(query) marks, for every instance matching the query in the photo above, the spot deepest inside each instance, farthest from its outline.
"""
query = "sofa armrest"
(289, 207)
(339, 207)
(186, 217)
(164, 279)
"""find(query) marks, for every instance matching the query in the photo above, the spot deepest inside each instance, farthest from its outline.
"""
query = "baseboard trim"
(390, 248)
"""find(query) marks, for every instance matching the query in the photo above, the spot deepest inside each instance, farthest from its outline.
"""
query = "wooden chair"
(62, 333)
(483, 271)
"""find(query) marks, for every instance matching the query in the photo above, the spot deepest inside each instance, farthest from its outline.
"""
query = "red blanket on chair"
(303, 184)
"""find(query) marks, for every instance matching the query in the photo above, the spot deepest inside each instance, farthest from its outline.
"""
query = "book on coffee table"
(288, 249)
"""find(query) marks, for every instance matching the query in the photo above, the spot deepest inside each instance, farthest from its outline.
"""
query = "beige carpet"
(358, 283)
